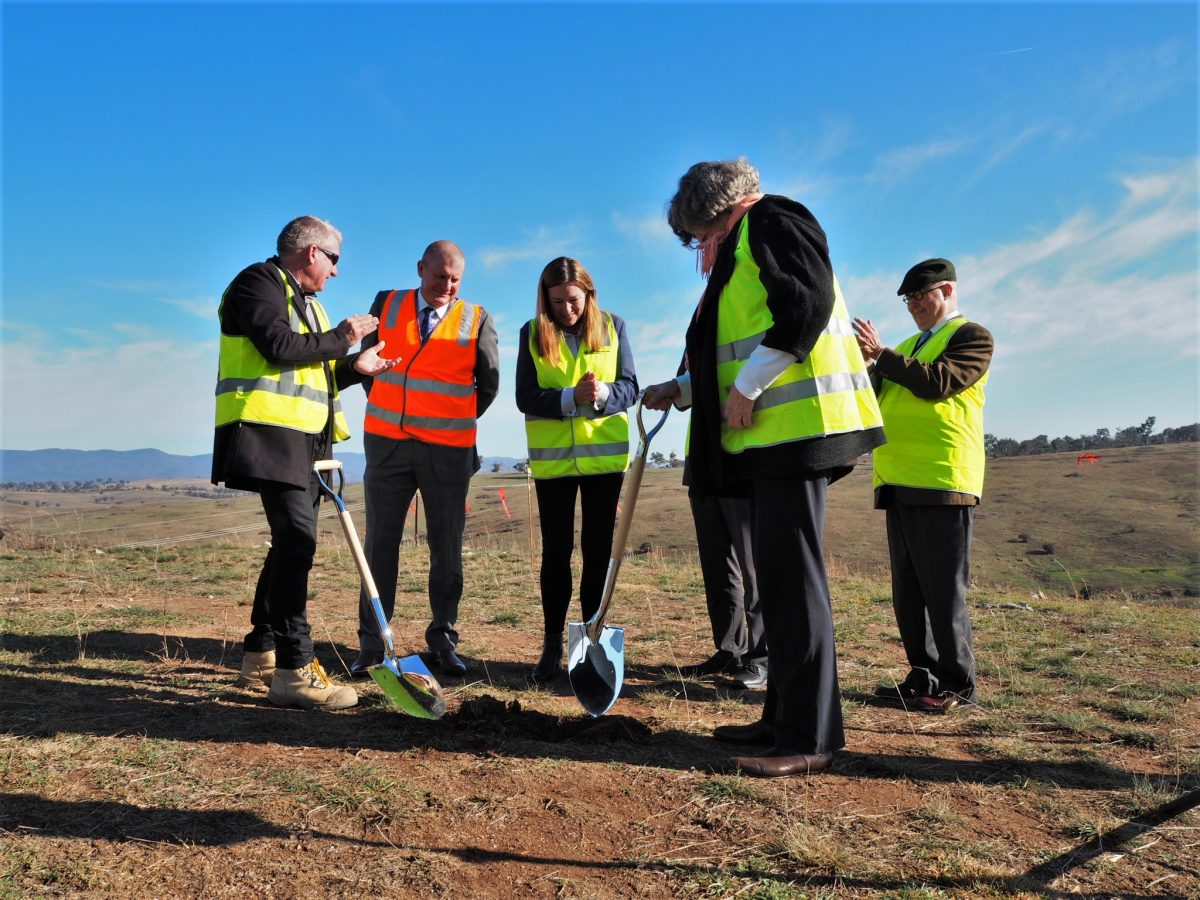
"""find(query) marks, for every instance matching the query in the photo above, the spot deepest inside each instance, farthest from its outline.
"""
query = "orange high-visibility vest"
(430, 395)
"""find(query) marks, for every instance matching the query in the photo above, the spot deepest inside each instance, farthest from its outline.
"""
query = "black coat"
(245, 453)
(792, 254)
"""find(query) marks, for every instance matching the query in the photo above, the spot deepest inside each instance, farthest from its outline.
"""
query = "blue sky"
(151, 151)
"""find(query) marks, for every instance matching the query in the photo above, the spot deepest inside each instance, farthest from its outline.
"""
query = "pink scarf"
(706, 253)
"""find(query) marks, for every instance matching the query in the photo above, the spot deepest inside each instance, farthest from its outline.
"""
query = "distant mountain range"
(26, 466)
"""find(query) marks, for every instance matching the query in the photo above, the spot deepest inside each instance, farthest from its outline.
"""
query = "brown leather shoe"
(780, 763)
(942, 702)
(759, 732)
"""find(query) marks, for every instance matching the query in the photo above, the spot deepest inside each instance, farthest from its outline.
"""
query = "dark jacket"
(967, 356)
(792, 254)
(245, 453)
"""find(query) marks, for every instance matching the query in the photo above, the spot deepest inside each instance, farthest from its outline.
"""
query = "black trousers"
(803, 696)
(395, 470)
(598, 496)
(930, 549)
(279, 618)
(724, 539)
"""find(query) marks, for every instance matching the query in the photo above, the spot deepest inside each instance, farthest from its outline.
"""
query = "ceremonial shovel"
(595, 651)
(407, 682)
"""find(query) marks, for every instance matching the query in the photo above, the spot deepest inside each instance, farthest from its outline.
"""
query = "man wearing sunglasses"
(929, 479)
(278, 411)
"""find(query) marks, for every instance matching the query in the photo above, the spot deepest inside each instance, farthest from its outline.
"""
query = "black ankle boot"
(548, 666)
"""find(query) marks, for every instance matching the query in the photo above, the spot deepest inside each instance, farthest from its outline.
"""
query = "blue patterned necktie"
(426, 323)
(925, 335)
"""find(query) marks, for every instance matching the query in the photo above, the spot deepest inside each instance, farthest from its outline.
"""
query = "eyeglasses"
(918, 295)
(332, 257)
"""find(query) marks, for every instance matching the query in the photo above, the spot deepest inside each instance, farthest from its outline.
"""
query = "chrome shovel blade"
(597, 670)
(411, 686)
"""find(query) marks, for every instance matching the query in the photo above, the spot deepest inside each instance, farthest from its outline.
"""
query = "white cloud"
(203, 308)
(895, 166)
(544, 243)
(642, 230)
(114, 394)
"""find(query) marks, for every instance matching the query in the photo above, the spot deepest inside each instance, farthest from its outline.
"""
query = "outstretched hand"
(370, 363)
(355, 328)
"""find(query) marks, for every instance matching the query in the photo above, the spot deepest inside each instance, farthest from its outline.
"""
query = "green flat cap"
(926, 273)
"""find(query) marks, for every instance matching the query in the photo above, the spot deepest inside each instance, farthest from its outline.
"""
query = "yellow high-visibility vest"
(829, 393)
(590, 442)
(935, 444)
(250, 389)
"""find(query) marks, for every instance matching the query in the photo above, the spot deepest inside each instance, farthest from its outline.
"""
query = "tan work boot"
(257, 668)
(310, 688)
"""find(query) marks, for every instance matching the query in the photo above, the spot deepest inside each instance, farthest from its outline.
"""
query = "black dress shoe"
(721, 661)
(450, 664)
(550, 663)
(361, 666)
(900, 694)
(751, 677)
(780, 763)
(759, 732)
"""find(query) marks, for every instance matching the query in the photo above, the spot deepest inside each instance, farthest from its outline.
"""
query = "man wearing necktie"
(420, 431)
(929, 479)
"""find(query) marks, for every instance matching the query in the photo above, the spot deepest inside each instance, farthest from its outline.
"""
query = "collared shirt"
(438, 311)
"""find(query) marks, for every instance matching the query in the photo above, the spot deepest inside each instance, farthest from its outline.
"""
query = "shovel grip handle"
(633, 485)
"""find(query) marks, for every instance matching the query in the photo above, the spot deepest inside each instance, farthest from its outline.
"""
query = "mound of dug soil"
(488, 716)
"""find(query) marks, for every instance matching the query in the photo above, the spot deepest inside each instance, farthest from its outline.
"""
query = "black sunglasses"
(332, 257)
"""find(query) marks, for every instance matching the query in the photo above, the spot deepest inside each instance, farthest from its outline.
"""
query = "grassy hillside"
(1125, 525)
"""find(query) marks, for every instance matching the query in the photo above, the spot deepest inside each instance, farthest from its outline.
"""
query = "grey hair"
(304, 232)
(706, 192)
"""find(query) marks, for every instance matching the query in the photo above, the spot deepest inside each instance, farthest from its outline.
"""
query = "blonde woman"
(575, 379)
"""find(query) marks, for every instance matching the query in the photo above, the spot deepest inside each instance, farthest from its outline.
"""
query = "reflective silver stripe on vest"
(838, 327)
(285, 388)
(428, 385)
(466, 323)
(395, 303)
(740, 349)
(437, 424)
(550, 454)
(446, 388)
(839, 382)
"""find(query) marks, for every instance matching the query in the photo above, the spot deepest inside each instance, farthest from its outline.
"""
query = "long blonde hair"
(565, 270)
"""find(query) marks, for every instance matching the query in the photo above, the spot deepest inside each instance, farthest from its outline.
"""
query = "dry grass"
(131, 765)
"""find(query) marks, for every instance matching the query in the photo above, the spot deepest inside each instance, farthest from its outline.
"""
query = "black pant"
(930, 548)
(803, 697)
(395, 470)
(598, 495)
(724, 539)
(279, 619)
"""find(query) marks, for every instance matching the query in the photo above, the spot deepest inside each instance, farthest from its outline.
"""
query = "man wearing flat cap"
(929, 479)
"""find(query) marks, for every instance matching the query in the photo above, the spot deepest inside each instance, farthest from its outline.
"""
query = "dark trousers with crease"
(395, 470)
(279, 618)
(930, 549)
(598, 497)
(724, 540)
(803, 699)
